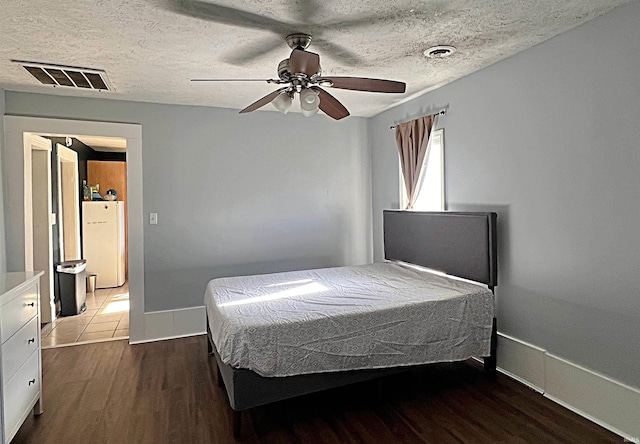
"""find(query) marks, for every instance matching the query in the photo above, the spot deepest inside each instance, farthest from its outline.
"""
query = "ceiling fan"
(302, 74)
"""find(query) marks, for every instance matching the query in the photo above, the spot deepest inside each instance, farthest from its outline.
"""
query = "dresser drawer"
(20, 393)
(19, 347)
(17, 312)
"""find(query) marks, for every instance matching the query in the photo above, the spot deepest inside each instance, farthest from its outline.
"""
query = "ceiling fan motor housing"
(298, 40)
(283, 70)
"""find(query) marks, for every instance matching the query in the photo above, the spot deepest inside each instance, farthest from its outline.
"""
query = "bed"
(277, 336)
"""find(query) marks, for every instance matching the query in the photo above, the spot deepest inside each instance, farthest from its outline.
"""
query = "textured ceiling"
(150, 49)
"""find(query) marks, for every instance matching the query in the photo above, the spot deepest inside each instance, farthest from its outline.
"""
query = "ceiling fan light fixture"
(309, 97)
(283, 102)
(310, 112)
(309, 102)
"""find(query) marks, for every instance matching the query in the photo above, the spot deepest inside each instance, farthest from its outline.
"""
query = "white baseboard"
(600, 399)
(173, 324)
(521, 361)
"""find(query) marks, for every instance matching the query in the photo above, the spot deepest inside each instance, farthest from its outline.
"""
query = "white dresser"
(21, 375)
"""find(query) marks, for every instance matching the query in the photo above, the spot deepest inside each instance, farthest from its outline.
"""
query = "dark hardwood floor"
(165, 392)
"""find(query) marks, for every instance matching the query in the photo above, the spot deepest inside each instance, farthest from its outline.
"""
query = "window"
(431, 191)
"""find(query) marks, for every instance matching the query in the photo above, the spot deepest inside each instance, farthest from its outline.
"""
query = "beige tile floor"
(106, 318)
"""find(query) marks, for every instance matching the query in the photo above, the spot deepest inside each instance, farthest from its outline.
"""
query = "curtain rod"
(439, 113)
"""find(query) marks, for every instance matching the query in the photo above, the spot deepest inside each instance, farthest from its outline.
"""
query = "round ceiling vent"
(439, 52)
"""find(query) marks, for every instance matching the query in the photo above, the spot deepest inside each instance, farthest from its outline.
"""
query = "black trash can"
(72, 285)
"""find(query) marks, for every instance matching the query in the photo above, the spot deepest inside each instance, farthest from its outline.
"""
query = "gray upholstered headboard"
(456, 243)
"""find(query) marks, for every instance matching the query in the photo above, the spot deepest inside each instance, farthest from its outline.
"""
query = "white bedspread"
(347, 318)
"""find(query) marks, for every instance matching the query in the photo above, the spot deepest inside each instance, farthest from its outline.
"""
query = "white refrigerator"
(103, 241)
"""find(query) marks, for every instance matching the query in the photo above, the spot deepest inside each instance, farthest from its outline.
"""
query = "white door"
(42, 249)
(68, 203)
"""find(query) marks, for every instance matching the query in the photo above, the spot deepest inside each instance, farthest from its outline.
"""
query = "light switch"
(153, 218)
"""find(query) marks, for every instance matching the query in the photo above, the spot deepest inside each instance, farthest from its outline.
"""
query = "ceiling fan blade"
(424, 11)
(263, 101)
(303, 62)
(240, 57)
(330, 105)
(235, 80)
(227, 15)
(339, 52)
(308, 9)
(365, 84)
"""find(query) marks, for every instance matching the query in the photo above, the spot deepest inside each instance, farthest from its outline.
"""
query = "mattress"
(347, 318)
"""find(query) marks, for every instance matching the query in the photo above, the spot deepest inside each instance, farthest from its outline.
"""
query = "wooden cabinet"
(20, 359)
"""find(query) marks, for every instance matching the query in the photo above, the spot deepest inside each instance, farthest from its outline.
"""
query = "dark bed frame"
(462, 244)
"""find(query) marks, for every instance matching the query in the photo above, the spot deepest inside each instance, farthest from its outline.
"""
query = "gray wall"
(236, 194)
(550, 139)
(3, 251)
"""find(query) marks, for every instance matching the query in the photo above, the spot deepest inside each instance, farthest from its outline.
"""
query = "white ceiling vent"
(70, 76)
(439, 52)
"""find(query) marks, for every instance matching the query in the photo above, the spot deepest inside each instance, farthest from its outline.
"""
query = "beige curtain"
(412, 138)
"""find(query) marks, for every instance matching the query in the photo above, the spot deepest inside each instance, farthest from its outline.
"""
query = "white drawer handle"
(30, 304)
(33, 381)
(31, 340)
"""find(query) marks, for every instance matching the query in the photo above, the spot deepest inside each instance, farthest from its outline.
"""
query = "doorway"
(83, 232)
(19, 215)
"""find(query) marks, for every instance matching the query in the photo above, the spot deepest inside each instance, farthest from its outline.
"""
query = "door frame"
(18, 173)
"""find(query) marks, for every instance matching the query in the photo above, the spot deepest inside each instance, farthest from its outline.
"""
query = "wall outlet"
(153, 218)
